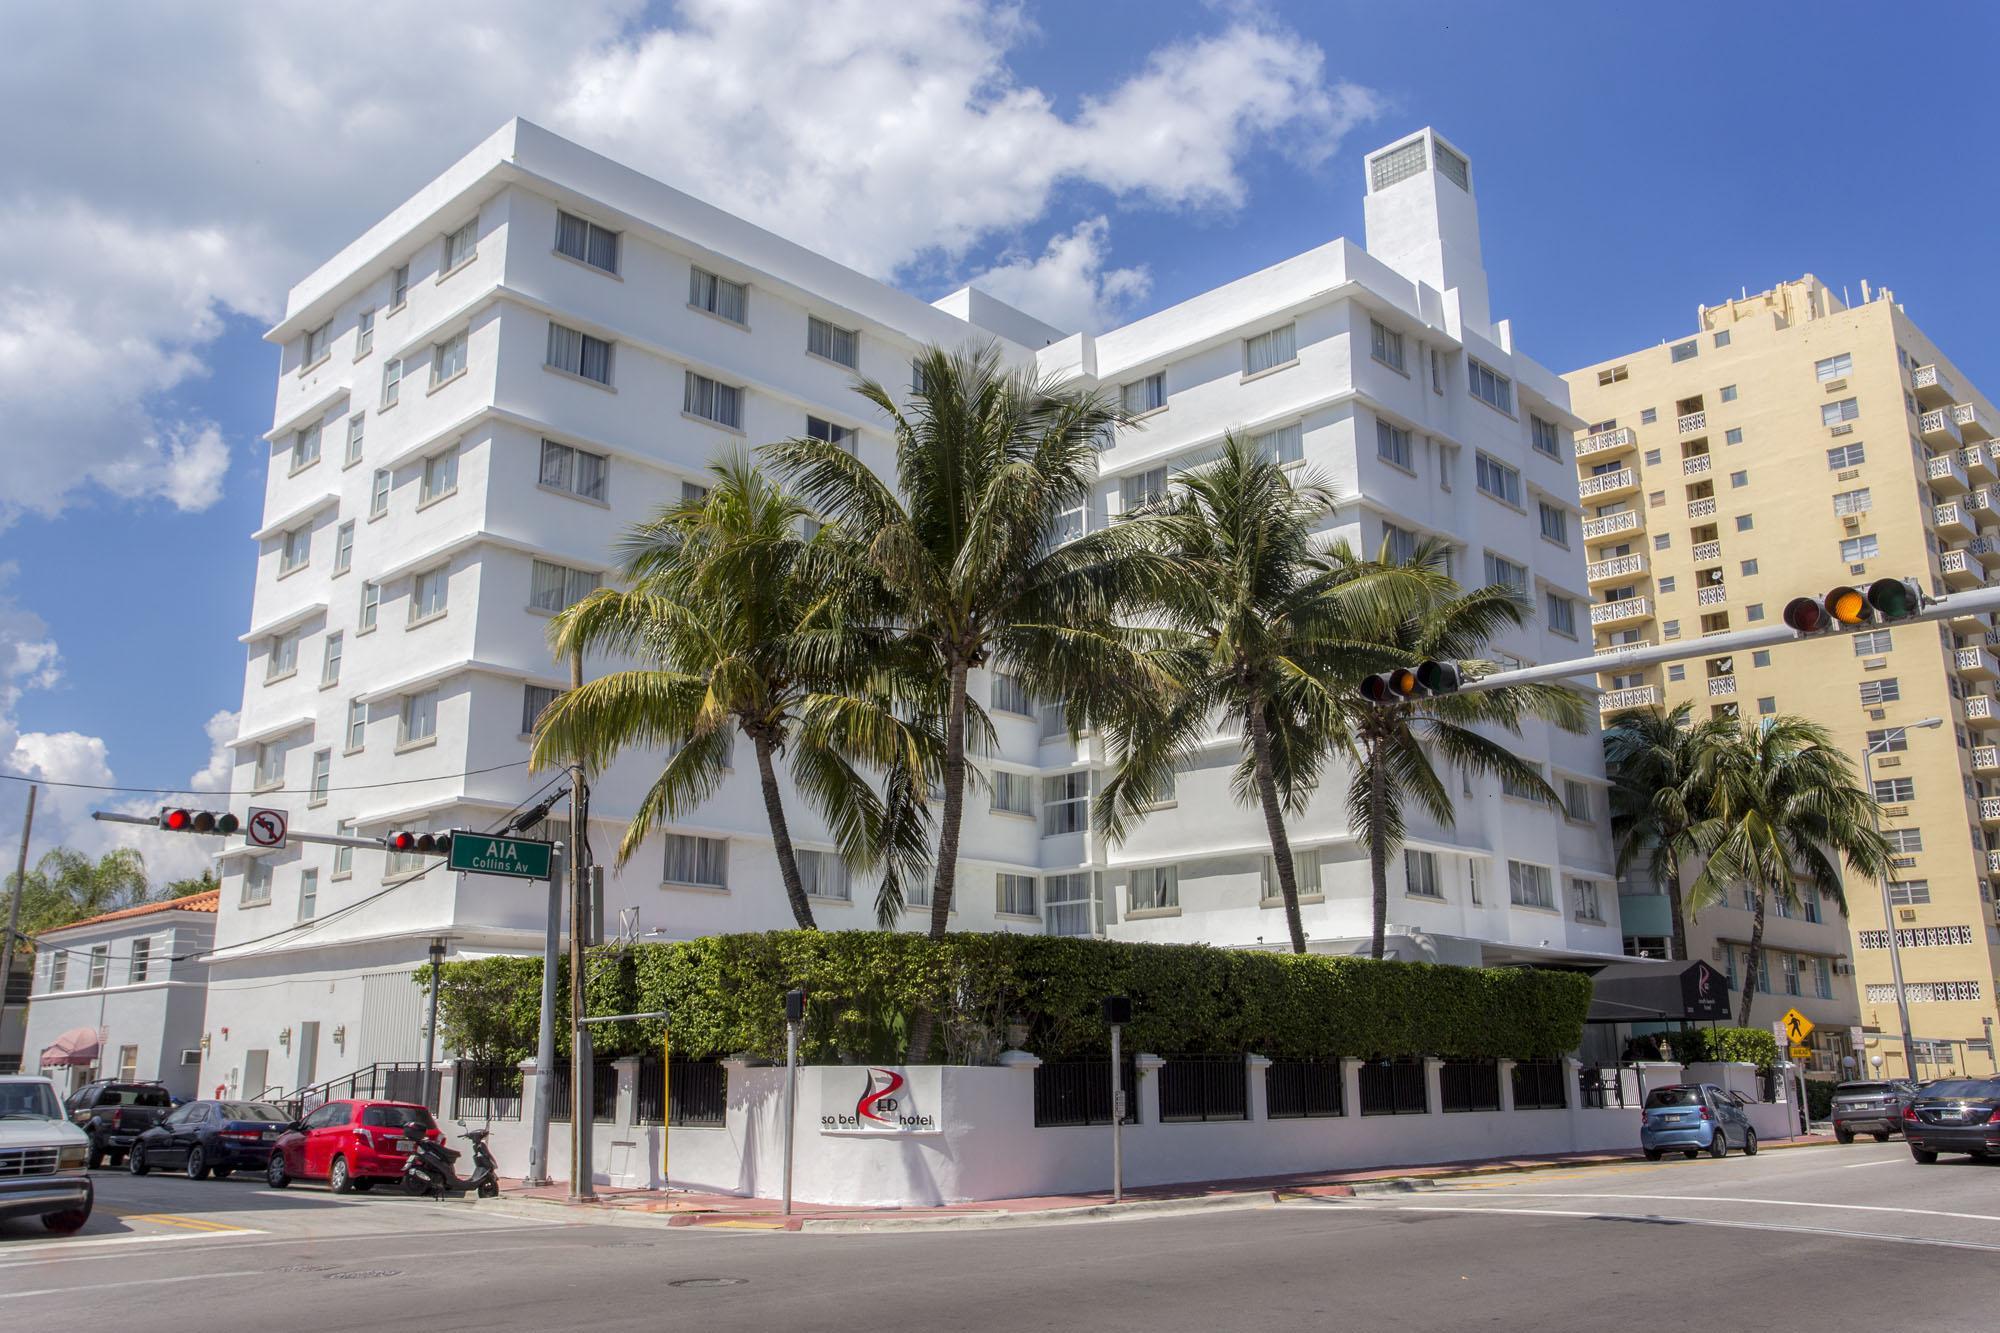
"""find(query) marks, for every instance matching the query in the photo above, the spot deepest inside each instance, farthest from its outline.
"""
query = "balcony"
(1697, 465)
(1715, 594)
(1993, 863)
(1610, 525)
(1938, 429)
(1719, 686)
(1617, 567)
(1958, 567)
(1933, 387)
(1707, 551)
(1607, 442)
(1989, 810)
(1636, 608)
(1986, 758)
(1639, 696)
(1978, 461)
(1702, 508)
(1980, 712)
(1970, 663)
(1973, 424)
(1692, 422)
(1986, 550)
(1604, 485)
(1953, 521)
(1947, 473)
(1621, 647)
(1985, 506)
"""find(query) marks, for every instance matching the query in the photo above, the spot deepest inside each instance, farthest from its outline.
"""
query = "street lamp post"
(1888, 909)
(431, 1030)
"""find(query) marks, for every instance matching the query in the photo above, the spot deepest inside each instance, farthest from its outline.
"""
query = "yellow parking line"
(173, 1220)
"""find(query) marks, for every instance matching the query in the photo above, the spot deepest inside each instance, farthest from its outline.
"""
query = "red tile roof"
(209, 901)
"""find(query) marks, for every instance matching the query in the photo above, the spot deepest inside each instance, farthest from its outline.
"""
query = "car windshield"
(1962, 1087)
(134, 1097)
(1673, 1097)
(395, 1117)
(1861, 1090)
(253, 1111)
(29, 1100)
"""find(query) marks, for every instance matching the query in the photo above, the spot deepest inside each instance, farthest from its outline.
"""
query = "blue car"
(1691, 1118)
(210, 1137)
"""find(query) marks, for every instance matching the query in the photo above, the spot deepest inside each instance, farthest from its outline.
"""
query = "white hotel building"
(480, 394)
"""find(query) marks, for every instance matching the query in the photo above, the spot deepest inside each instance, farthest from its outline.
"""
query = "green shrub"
(726, 995)
(1754, 1046)
(1819, 1098)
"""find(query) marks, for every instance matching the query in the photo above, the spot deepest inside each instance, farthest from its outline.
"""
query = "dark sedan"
(1954, 1115)
(209, 1137)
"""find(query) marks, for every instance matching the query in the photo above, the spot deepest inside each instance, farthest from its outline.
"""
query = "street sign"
(1797, 1026)
(266, 827)
(1801, 1052)
(484, 854)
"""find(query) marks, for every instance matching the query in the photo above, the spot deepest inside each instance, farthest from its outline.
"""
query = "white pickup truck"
(43, 1157)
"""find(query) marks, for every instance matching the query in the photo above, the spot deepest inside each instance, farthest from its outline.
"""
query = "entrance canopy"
(1658, 993)
(78, 1046)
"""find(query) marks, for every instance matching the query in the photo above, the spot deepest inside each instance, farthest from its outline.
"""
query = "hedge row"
(1754, 1046)
(725, 995)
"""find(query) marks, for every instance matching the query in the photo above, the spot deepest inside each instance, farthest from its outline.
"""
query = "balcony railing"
(1989, 809)
(1980, 712)
(1933, 387)
(1972, 423)
(1626, 608)
(1993, 863)
(1975, 664)
(1621, 647)
(1702, 508)
(1977, 460)
(1693, 422)
(1720, 685)
(1986, 550)
(1638, 696)
(1697, 465)
(1959, 569)
(1715, 594)
(1985, 758)
(1606, 483)
(1952, 520)
(1617, 567)
(1947, 473)
(1938, 427)
(1610, 525)
(1606, 442)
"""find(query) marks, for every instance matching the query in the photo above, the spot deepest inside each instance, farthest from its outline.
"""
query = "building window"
(575, 352)
(558, 587)
(1014, 895)
(318, 342)
(1853, 502)
(702, 862)
(1399, 543)
(1520, 788)
(356, 425)
(1754, 611)
(586, 242)
(693, 493)
(430, 593)
(1305, 876)
(1386, 345)
(58, 970)
(141, 965)
(1887, 690)
(100, 964)
(459, 247)
(1663, 541)
(1072, 904)
(1143, 488)
(1585, 902)
(1530, 885)
(1745, 522)
(357, 724)
(1392, 443)
(1870, 642)
(1729, 393)
(719, 296)
(378, 493)
(1895, 791)
(1904, 840)
(1677, 671)
(364, 334)
(295, 549)
(1671, 630)
(399, 287)
(448, 358)
(577, 471)
(371, 601)
(322, 777)
(1722, 338)
(329, 670)
(308, 894)
(1141, 396)
(1555, 523)
(1283, 446)
(843, 436)
(1576, 800)
(1888, 740)
(1154, 888)
(1647, 416)
(535, 698)
(826, 339)
(1562, 615)
(1490, 387)
(1267, 351)
(1543, 435)
(305, 447)
(1502, 572)
(1009, 696)
(1398, 164)
(1761, 658)
(1013, 793)
(1737, 479)
(1686, 351)
(1834, 367)
(1832, 414)
(1420, 874)
(1854, 550)
(392, 381)
(713, 401)
(256, 883)
(440, 476)
(1845, 456)
(1496, 478)
(281, 658)
(1910, 892)
(419, 717)
(1666, 583)
(1065, 803)
(343, 547)
(270, 766)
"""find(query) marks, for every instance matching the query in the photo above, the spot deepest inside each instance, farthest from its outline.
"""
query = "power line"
(255, 791)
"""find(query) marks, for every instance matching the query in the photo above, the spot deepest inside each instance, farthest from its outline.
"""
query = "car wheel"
(274, 1172)
(1749, 1143)
(1881, 1136)
(96, 1158)
(1924, 1156)
(197, 1163)
(71, 1219)
(135, 1162)
(337, 1178)
(1690, 1154)
(1718, 1146)
(362, 1186)
(222, 1172)
(1845, 1135)
(1652, 1154)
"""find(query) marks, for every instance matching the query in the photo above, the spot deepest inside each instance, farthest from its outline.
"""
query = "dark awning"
(1642, 992)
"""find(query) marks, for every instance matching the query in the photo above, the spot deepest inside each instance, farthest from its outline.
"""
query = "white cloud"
(1067, 284)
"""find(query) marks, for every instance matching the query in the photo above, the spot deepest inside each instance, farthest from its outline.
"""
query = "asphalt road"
(1823, 1238)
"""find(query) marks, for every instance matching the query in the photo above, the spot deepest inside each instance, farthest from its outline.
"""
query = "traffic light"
(1847, 607)
(174, 819)
(424, 844)
(1424, 679)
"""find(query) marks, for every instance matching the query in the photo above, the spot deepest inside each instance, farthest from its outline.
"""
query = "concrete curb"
(1098, 1212)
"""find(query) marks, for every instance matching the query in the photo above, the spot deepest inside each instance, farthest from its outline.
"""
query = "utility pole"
(579, 922)
(545, 1034)
(14, 907)
(1888, 907)
(431, 1028)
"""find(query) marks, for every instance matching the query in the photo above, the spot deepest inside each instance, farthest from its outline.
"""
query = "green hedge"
(1754, 1046)
(725, 994)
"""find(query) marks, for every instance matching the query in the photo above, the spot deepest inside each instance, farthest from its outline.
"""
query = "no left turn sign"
(266, 827)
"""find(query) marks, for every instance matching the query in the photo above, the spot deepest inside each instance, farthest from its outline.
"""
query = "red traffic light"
(1806, 615)
(402, 841)
(176, 821)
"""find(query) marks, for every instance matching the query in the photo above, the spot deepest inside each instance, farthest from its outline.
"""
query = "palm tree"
(1249, 627)
(1391, 743)
(740, 632)
(1784, 808)
(1660, 774)
(66, 887)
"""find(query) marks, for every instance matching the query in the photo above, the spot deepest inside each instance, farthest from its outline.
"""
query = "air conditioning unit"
(191, 1057)
(1845, 428)
(1835, 386)
(1877, 714)
(1906, 914)
(1857, 569)
(1850, 522)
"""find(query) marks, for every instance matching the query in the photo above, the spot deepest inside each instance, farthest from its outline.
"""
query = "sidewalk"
(685, 1208)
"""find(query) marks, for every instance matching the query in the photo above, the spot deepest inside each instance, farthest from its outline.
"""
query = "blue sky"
(1627, 169)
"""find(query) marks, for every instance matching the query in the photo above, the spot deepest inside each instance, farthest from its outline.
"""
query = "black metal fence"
(1469, 1085)
(1295, 1089)
(1204, 1087)
(1600, 1089)
(486, 1090)
(697, 1093)
(1538, 1085)
(1078, 1092)
(603, 1090)
(1393, 1087)
(386, 1081)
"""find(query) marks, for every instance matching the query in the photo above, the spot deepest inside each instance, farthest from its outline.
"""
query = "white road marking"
(139, 1282)
(36, 1247)
(1700, 1222)
(1772, 1203)
(9, 1251)
(1856, 1166)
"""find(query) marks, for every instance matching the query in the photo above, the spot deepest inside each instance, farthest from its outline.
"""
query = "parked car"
(1695, 1117)
(1953, 1115)
(114, 1113)
(1871, 1106)
(207, 1137)
(43, 1157)
(350, 1145)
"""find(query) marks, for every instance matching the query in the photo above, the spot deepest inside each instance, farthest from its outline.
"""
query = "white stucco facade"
(465, 477)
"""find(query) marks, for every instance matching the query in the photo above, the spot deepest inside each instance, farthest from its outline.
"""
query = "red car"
(349, 1144)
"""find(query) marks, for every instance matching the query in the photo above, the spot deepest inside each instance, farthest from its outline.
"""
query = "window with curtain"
(329, 669)
(1010, 696)
(827, 339)
(1545, 438)
(1072, 905)
(305, 447)
(577, 471)
(713, 401)
(1530, 885)
(1146, 394)
(819, 429)
(256, 882)
(356, 426)
(535, 698)
(1420, 873)
(440, 476)
(1065, 803)
(1269, 350)
(556, 587)
(270, 769)
(419, 717)
(1497, 479)
(586, 242)
(1392, 443)
(1013, 793)
(1385, 344)
(1143, 488)
(1489, 386)
(703, 862)
(1284, 446)
(575, 352)
(318, 343)
(281, 658)
(1014, 895)
(460, 246)
(826, 875)
(1305, 875)
(296, 550)
(364, 333)
(1153, 888)
(448, 358)
(719, 296)
(430, 593)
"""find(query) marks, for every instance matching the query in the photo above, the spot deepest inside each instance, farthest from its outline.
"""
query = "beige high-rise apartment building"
(1792, 443)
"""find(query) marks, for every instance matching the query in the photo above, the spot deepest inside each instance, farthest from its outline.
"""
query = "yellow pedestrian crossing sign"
(1797, 1026)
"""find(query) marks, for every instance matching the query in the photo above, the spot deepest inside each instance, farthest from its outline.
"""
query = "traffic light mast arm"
(291, 835)
(1976, 601)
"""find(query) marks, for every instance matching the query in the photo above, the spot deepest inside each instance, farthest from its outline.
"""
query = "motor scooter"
(428, 1169)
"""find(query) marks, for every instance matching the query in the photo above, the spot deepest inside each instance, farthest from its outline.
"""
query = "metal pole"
(545, 1034)
(1889, 924)
(14, 910)
(431, 1030)
(580, 1186)
(791, 1103)
(1117, 1119)
(666, 1103)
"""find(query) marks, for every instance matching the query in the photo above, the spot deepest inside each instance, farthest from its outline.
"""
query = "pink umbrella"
(78, 1046)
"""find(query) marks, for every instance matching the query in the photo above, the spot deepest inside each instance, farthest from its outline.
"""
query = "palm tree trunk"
(1378, 855)
(781, 834)
(1274, 823)
(1677, 909)
(1756, 957)
(924, 1022)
